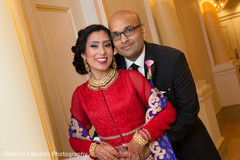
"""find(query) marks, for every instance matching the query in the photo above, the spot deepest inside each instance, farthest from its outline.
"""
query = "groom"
(172, 76)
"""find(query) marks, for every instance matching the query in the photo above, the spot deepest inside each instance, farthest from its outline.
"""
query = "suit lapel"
(148, 56)
(146, 69)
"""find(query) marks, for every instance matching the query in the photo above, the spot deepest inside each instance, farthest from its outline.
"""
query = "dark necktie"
(134, 67)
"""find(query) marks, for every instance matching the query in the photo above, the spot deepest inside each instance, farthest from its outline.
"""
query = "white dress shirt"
(139, 61)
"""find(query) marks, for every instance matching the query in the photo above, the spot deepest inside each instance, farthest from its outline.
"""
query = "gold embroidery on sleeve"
(78, 134)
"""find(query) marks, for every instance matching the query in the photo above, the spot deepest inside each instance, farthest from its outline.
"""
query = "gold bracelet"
(139, 139)
(92, 149)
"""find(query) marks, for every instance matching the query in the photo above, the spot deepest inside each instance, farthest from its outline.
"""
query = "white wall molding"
(227, 80)
(225, 67)
(102, 12)
(207, 113)
(89, 12)
(204, 93)
(151, 22)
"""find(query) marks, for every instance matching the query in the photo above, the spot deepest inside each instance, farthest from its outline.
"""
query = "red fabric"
(117, 110)
(80, 146)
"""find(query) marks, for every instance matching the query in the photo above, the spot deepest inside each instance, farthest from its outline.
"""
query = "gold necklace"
(103, 84)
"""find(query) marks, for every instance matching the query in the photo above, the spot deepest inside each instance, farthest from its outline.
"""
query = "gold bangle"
(92, 149)
(139, 139)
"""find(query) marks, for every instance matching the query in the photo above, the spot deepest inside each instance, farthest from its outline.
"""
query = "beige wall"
(21, 128)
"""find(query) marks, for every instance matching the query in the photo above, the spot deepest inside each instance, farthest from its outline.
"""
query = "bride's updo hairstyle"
(80, 46)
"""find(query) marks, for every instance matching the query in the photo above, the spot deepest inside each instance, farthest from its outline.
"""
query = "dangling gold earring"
(86, 65)
(115, 51)
(114, 64)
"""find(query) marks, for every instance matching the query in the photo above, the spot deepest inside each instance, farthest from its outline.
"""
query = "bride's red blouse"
(117, 111)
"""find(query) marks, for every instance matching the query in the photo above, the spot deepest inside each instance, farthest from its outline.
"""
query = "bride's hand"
(105, 151)
(135, 150)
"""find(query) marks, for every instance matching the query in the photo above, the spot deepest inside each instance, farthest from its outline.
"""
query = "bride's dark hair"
(80, 46)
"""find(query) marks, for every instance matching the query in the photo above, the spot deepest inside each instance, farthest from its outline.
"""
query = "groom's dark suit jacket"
(172, 75)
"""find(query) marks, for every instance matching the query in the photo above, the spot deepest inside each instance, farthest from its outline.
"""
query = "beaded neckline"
(105, 83)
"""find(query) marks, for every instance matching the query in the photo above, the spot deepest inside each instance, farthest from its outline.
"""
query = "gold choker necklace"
(104, 83)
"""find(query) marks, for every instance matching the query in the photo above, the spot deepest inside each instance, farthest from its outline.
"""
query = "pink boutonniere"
(150, 65)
